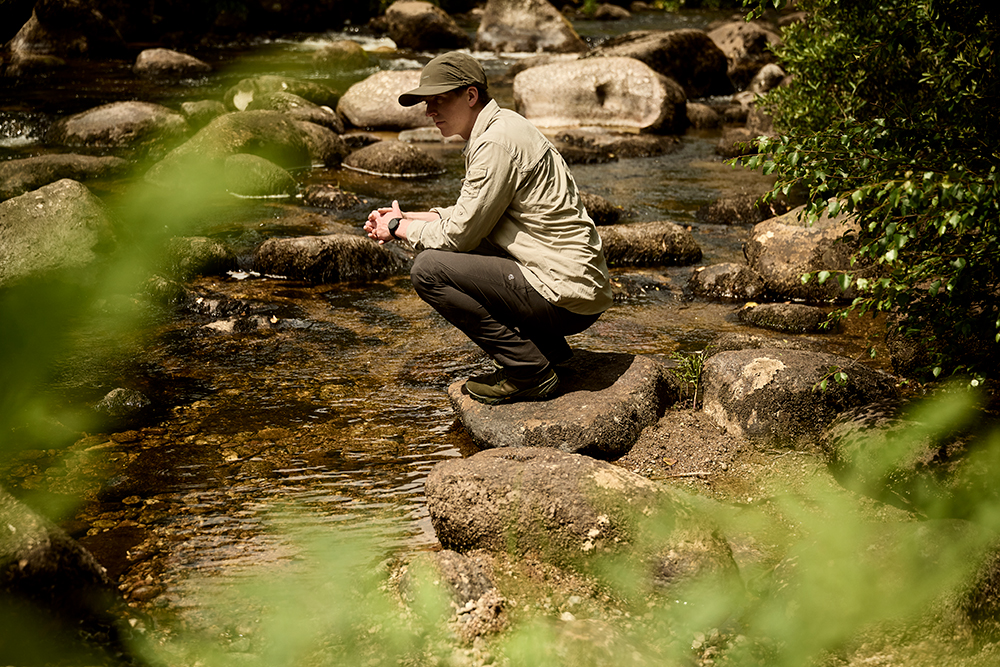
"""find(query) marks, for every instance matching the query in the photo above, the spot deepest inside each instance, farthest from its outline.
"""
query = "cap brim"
(417, 95)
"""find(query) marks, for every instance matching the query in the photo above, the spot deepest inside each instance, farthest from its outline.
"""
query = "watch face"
(393, 226)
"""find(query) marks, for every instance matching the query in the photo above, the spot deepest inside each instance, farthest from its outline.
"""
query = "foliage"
(892, 115)
(688, 370)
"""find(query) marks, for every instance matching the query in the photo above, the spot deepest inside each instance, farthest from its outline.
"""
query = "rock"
(201, 113)
(26, 174)
(736, 142)
(787, 317)
(267, 134)
(373, 103)
(243, 93)
(427, 135)
(191, 256)
(769, 77)
(169, 64)
(702, 116)
(326, 147)
(600, 210)
(328, 195)
(737, 209)
(619, 92)
(59, 227)
(726, 281)
(252, 176)
(327, 259)
(608, 12)
(421, 26)
(59, 31)
(463, 578)
(394, 159)
(689, 57)
(298, 108)
(140, 126)
(783, 248)
(619, 144)
(649, 244)
(603, 403)
(747, 47)
(55, 599)
(526, 26)
(771, 396)
(574, 511)
(342, 55)
(123, 408)
(729, 341)
(760, 123)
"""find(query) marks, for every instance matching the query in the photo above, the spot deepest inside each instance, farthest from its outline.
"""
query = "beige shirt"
(519, 194)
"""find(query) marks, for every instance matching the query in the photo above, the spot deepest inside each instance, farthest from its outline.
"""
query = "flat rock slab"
(603, 403)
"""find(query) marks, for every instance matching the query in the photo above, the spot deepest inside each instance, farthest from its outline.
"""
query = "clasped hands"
(377, 224)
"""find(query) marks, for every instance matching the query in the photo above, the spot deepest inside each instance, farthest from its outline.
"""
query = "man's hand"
(377, 224)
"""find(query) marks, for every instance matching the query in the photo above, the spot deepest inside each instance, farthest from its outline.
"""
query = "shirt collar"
(483, 121)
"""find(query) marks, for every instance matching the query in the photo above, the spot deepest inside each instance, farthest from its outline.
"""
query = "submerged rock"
(394, 159)
(788, 317)
(649, 244)
(726, 281)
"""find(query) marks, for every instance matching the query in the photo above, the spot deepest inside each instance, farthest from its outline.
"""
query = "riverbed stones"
(26, 174)
(394, 159)
(239, 96)
(526, 26)
(59, 227)
(772, 397)
(202, 112)
(573, 510)
(422, 26)
(169, 64)
(121, 125)
(689, 57)
(736, 209)
(252, 176)
(603, 403)
(619, 144)
(327, 259)
(326, 147)
(747, 47)
(727, 280)
(600, 210)
(373, 102)
(656, 243)
(298, 108)
(617, 93)
(785, 247)
(787, 317)
(342, 55)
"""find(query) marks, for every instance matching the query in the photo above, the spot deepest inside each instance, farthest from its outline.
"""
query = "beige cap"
(445, 73)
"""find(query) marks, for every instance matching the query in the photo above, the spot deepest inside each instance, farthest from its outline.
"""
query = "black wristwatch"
(393, 226)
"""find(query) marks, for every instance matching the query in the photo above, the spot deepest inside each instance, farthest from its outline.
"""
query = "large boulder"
(421, 26)
(394, 159)
(689, 57)
(574, 511)
(299, 108)
(773, 397)
(526, 26)
(327, 259)
(656, 243)
(611, 92)
(784, 248)
(747, 47)
(58, 227)
(239, 96)
(373, 103)
(252, 176)
(787, 317)
(31, 173)
(141, 126)
(58, 31)
(603, 403)
(326, 147)
(342, 55)
(728, 280)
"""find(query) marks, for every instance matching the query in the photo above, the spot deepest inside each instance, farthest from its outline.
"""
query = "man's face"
(452, 112)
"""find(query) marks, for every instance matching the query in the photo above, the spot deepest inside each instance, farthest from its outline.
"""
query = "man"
(516, 264)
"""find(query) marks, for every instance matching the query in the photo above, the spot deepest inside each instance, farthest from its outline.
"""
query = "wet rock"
(737, 209)
(55, 599)
(769, 77)
(608, 12)
(198, 255)
(26, 174)
(600, 210)
(169, 64)
(298, 108)
(133, 125)
(726, 281)
(702, 116)
(769, 396)
(570, 509)
(356, 140)
(268, 134)
(253, 176)
(342, 55)
(422, 26)
(394, 159)
(747, 47)
(787, 317)
(689, 57)
(619, 144)
(649, 244)
(243, 93)
(427, 135)
(123, 408)
(328, 195)
(729, 341)
(784, 248)
(373, 103)
(57, 32)
(619, 92)
(59, 227)
(603, 403)
(201, 113)
(760, 123)
(736, 142)
(326, 147)
(327, 259)
(526, 26)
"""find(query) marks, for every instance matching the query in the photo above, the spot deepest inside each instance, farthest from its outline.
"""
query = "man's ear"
(472, 96)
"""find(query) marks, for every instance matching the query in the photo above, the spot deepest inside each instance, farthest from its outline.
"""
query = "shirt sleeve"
(489, 186)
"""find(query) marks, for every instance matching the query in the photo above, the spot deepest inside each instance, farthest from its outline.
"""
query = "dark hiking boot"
(498, 388)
